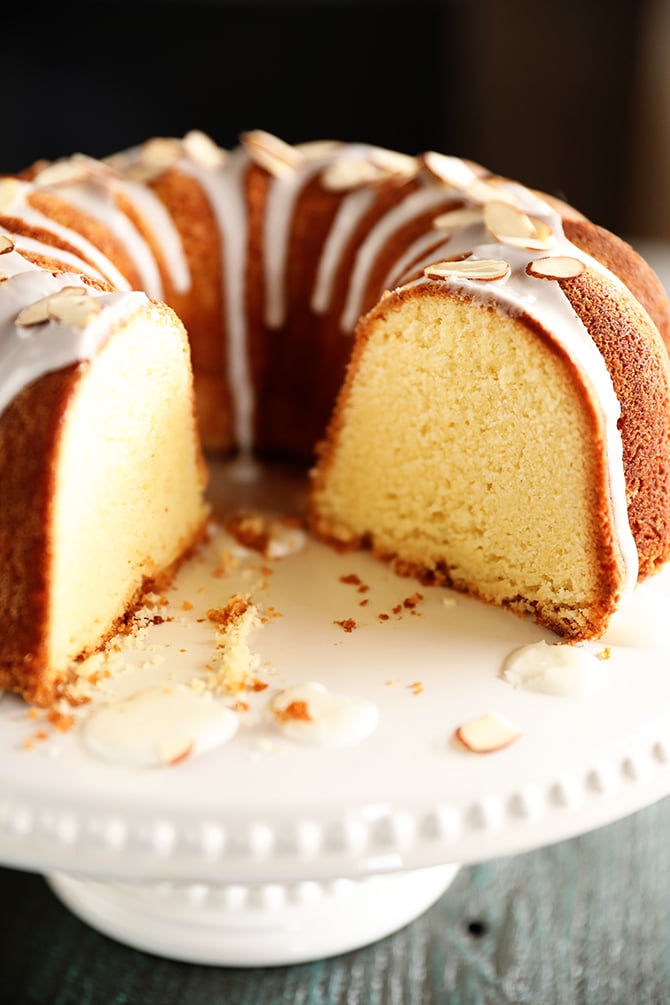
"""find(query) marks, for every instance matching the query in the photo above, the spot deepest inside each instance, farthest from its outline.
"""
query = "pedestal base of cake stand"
(251, 926)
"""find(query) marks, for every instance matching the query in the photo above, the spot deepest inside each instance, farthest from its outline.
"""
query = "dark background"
(548, 93)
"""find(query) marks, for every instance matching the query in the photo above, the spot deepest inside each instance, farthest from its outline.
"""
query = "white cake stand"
(264, 851)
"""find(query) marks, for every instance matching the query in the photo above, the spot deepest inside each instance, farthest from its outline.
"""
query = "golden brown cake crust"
(628, 265)
(29, 431)
(638, 365)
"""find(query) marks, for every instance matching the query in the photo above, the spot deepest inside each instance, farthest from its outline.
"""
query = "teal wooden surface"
(582, 922)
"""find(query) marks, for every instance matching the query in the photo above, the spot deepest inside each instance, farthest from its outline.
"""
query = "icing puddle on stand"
(555, 669)
(316, 716)
(158, 726)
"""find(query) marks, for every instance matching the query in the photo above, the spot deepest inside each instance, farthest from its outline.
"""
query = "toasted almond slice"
(347, 173)
(505, 220)
(487, 190)
(6, 244)
(10, 189)
(487, 734)
(161, 152)
(202, 150)
(33, 314)
(65, 172)
(454, 219)
(73, 307)
(450, 170)
(394, 163)
(312, 150)
(470, 268)
(140, 172)
(529, 243)
(555, 267)
(271, 153)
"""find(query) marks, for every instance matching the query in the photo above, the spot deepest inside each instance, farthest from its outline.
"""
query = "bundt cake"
(503, 425)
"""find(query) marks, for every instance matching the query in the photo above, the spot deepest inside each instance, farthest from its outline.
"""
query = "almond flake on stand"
(481, 268)
(555, 267)
(487, 734)
(6, 244)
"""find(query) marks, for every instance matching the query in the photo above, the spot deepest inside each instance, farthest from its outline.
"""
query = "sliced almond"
(6, 244)
(487, 734)
(454, 219)
(73, 308)
(156, 156)
(312, 150)
(202, 150)
(33, 314)
(347, 173)
(72, 305)
(470, 268)
(510, 225)
(153, 159)
(10, 189)
(504, 219)
(160, 152)
(175, 751)
(65, 172)
(394, 163)
(451, 170)
(482, 190)
(555, 267)
(271, 153)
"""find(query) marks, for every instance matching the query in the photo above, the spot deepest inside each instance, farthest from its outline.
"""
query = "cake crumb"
(234, 623)
(272, 537)
(348, 624)
(294, 710)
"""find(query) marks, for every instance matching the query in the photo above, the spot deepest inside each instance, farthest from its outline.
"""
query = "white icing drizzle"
(95, 198)
(32, 246)
(162, 226)
(413, 205)
(351, 211)
(225, 190)
(88, 251)
(310, 713)
(426, 242)
(279, 210)
(27, 353)
(561, 670)
(158, 726)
